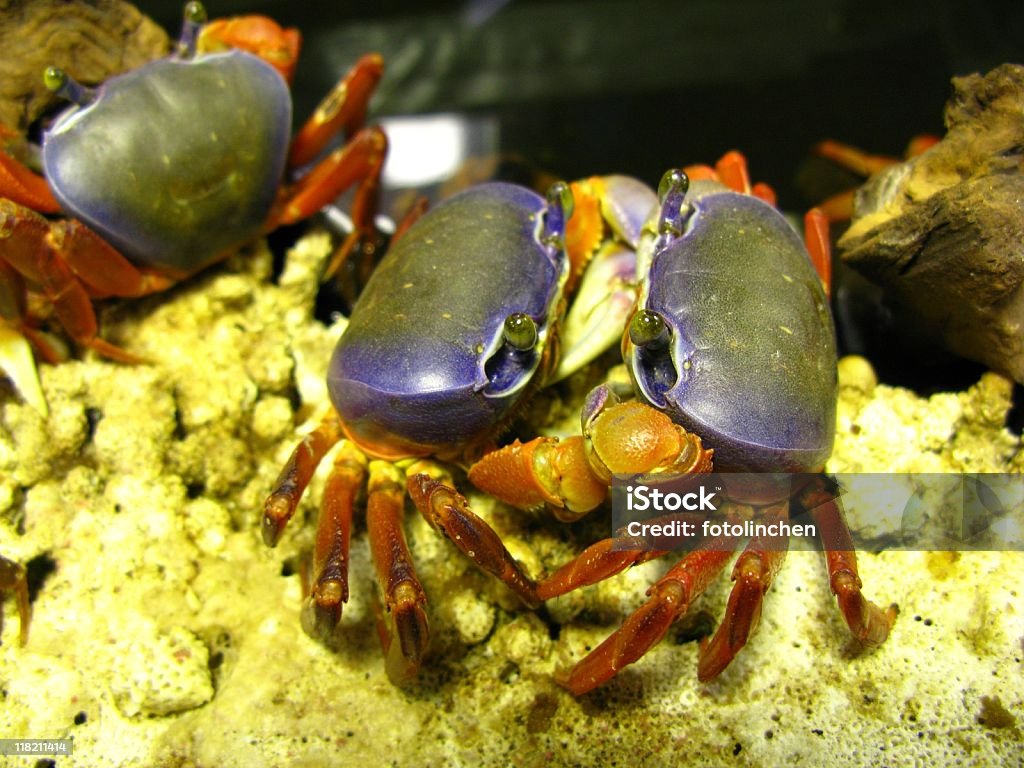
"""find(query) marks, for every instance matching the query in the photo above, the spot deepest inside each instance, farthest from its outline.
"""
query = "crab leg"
(12, 576)
(753, 573)
(72, 265)
(670, 598)
(295, 476)
(359, 162)
(816, 238)
(24, 187)
(329, 585)
(344, 108)
(868, 623)
(403, 629)
(596, 563)
(839, 207)
(449, 514)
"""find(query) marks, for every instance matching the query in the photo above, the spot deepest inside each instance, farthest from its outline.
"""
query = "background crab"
(166, 169)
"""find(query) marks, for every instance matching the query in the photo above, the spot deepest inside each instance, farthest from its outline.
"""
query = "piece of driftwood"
(89, 40)
(943, 233)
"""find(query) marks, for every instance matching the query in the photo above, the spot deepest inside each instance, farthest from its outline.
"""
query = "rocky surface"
(941, 233)
(166, 634)
(91, 41)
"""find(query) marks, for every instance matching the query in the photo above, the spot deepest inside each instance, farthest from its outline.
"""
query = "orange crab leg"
(839, 207)
(72, 265)
(295, 476)
(596, 563)
(329, 583)
(753, 573)
(670, 598)
(816, 238)
(868, 623)
(24, 187)
(344, 108)
(731, 170)
(449, 514)
(856, 160)
(545, 471)
(360, 161)
(403, 629)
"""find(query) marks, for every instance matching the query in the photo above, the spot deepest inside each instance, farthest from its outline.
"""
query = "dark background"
(583, 87)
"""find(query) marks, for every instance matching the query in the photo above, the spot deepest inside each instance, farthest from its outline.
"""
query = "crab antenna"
(672, 194)
(560, 206)
(195, 18)
(66, 87)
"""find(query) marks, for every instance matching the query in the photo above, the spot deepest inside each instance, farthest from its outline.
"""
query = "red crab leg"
(816, 238)
(868, 623)
(344, 108)
(839, 207)
(731, 170)
(72, 264)
(403, 629)
(449, 514)
(360, 161)
(329, 585)
(416, 210)
(852, 158)
(596, 563)
(670, 598)
(753, 573)
(12, 576)
(24, 187)
(295, 476)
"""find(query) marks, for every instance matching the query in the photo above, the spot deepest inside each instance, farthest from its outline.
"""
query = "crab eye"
(647, 329)
(520, 331)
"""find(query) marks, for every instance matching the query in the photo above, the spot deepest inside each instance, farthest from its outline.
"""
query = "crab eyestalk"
(194, 19)
(672, 194)
(560, 207)
(59, 82)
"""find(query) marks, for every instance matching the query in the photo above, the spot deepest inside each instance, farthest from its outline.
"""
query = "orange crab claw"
(571, 476)
(584, 231)
(258, 35)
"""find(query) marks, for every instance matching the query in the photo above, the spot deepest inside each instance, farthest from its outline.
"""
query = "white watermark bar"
(36, 747)
(949, 511)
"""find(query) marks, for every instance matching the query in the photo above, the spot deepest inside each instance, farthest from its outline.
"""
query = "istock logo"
(640, 498)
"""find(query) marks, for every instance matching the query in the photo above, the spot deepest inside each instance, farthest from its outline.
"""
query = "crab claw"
(599, 312)
(258, 35)
(17, 362)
